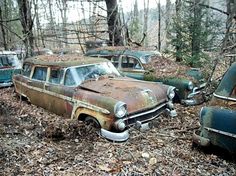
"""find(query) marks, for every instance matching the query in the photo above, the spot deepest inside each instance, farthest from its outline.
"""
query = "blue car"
(218, 121)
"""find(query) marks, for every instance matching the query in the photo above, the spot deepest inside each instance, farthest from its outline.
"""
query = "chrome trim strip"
(146, 112)
(221, 132)
(224, 97)
(78, 103)
(118, 137)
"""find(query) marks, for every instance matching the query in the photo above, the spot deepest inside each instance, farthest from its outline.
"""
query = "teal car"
(9, 65)
(134, 63)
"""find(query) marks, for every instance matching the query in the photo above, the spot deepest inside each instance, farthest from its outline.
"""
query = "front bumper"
(191, 97)
(6, 84)
(138, 120)
(115, 136)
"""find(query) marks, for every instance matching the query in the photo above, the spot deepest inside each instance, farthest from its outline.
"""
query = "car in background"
(42, 51)
(218, 120)
(92, 90)
(152, 66)
(9, 65)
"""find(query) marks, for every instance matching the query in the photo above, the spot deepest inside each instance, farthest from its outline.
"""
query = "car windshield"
(9, 60)
(93, 72)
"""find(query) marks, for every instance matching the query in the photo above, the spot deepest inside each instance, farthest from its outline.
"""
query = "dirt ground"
(34, 141)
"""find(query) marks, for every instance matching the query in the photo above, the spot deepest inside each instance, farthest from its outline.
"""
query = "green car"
(136, 63)
(9, 65)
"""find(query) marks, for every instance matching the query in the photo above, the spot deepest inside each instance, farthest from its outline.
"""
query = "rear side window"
(69, 80)
(130, 62)
(40, 73)
(27, 70)
(4, 62)
(55, 75)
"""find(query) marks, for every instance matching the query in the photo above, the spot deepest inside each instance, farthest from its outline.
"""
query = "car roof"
(64, 60)
(6, 52)
(136, 52)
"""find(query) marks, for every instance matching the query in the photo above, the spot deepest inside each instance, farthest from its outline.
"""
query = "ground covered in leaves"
(34, 141)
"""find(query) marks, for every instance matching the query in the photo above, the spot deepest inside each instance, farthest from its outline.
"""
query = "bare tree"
(27, 24)
(113, 21)
(145, 26)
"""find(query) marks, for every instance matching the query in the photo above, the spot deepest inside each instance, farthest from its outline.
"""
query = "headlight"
(171, 92)
(190, 85)
(120, 109)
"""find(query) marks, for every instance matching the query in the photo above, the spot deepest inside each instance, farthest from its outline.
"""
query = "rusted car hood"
(136, 94)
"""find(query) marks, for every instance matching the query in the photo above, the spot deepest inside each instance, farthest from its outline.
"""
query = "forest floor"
(34, 141)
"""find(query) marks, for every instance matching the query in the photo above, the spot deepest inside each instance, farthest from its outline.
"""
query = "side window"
(55, 75)
(69, 80)
(4, 61)
(115, 61)
(40, 73)
(26, 70)
(130, 62)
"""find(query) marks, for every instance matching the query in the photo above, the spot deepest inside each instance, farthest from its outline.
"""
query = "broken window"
(69, 80)
(26, 70)
(55, 75)
(130, 62)
(40, 73)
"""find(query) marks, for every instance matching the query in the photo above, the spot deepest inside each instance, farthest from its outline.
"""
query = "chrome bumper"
(201, 141)
(118, 137)
(8, 84)
(196, 90)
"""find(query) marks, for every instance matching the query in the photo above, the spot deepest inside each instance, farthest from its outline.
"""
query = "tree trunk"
(27, 24)
(113, 21)
(159, 25)
(229, 43)
(178, 34)
(167, 21)
(3, 31)
(196, 28)
(145, 26)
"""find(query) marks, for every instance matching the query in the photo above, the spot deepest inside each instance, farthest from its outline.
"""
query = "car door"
(131, 67)
(35, 86)
(22, 81)
(60, 96)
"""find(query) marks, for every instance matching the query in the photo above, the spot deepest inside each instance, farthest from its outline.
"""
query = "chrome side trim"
(146, 112)
(118, 137)
(221, 132)
(78, 103)
(224, 97)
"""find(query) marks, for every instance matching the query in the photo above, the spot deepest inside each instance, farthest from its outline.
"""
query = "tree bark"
(3, 31)
(113, 21)
(178, 34)
(27, 24)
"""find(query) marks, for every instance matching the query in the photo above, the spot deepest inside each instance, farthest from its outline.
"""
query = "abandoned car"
(91, 89)
(9, 65)
(151, 66)
(218, 121)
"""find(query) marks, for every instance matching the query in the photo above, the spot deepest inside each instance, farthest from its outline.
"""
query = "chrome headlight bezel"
(190, 85)
(171, 92)
(120, 109)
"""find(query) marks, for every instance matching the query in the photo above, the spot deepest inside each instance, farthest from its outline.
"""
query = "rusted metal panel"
(115, 102)
(218, 122)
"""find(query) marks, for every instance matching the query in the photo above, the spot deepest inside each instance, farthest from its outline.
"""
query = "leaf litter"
(34, 141)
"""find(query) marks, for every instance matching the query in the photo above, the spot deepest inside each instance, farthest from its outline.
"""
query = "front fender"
(219, 126)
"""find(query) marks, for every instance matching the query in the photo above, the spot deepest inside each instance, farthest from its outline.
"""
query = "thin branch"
(6, 21)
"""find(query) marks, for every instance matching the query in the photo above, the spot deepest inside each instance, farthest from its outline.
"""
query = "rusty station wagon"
(218, 120)
(9, 65)
(135, 63)
(91, 89)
